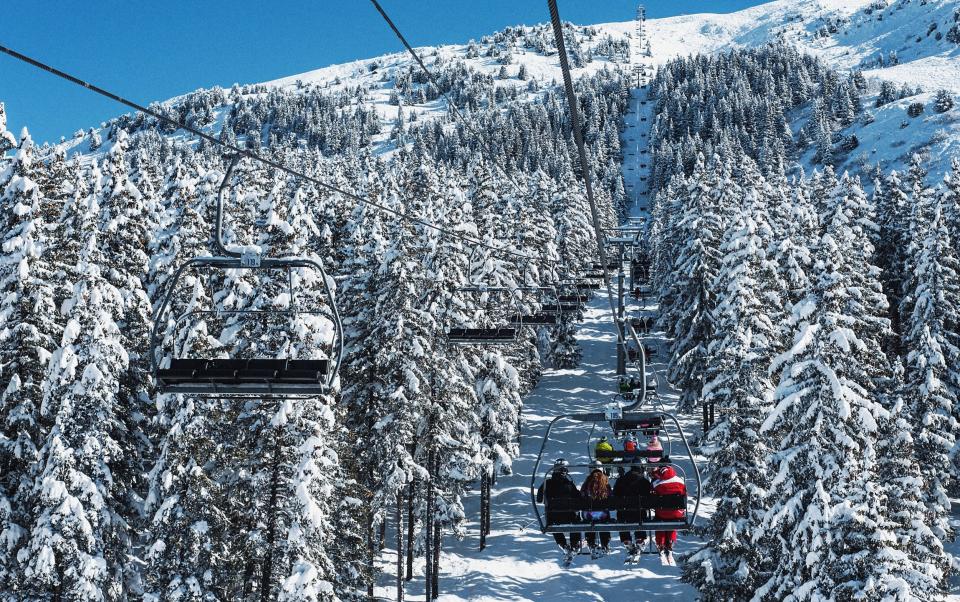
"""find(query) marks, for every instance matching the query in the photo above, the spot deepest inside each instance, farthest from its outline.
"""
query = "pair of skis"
(666, 557)
(595, 553)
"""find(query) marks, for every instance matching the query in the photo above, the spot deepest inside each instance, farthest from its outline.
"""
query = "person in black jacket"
(634, 484)
(560, 486)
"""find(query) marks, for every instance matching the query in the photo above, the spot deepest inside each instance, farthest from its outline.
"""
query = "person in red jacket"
(666, 482)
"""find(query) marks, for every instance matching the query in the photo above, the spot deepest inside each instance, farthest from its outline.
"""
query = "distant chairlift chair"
(497, 335)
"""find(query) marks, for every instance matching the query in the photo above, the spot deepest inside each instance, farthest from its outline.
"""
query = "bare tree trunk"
(400, 545)
(489, 505)
(371, 555)
(428, 517)
(411, 524)
(435, 590)
(484, 484)
(267, 574)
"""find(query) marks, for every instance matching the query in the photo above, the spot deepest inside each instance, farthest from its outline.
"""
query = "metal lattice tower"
(640, 33)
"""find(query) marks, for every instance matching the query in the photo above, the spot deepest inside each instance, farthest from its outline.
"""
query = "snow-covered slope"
(910, 42)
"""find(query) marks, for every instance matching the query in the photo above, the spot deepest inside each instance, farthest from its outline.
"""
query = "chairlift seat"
(641, 505)
(475, 336)
(619, 454)
(539, 319)
(613, 503)
(636, 424)
(244, 376)
(562, 308)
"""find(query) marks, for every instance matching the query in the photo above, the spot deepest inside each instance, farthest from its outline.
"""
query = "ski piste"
(519, 562)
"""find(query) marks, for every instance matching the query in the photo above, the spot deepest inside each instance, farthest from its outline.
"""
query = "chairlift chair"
(548, 314)
(232, 377)
(505, 334)
(620, 421)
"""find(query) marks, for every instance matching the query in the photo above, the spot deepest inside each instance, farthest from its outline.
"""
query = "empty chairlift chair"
(257, 376)
(503, 334)
(550, 308)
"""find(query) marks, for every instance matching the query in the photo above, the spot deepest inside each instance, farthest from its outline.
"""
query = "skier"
(597, 488)
(629, 446)
(654, 446)
(632, 484)
(560, 486)
(603, 446)
(666, 482)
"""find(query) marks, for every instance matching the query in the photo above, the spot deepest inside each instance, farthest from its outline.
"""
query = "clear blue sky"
(150, 51)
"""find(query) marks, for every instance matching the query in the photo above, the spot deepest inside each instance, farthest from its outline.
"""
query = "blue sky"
(149, 51)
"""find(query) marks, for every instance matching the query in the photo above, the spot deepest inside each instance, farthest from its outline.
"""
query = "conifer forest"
(763, 275)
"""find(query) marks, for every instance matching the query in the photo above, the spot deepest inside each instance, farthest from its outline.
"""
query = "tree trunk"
(267, 574)
(435, 590)
(411, 524)
(400, 545)
(489, 504)
(484, 484)
(382, 541)
(428, 518)
(371, 555)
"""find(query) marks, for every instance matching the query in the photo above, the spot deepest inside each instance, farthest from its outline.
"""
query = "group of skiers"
(657, 477)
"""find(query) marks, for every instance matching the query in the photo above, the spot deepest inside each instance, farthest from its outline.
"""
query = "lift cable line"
(433, 80)
(257, 157)
(585, 167)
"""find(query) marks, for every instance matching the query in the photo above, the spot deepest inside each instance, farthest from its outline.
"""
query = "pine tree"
(730, 565)
(80, 543)
(933, 380)
(29, 332)
(893, 219)
(7, 139)
(695, 267)
(951, 199)
(825, 501)
(795, 232)
(915, 554)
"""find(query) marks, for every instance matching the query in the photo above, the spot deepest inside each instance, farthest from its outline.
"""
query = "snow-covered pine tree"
(825, 501)
(795, 233)
(893, 217)
(951, 199)
(79, 544)
(29, 334)
(7, 140)
(932, 376)
(730, 565)
(365, 398)
(915, 554)
(290, 451)
(711, 190)
(128, 221)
